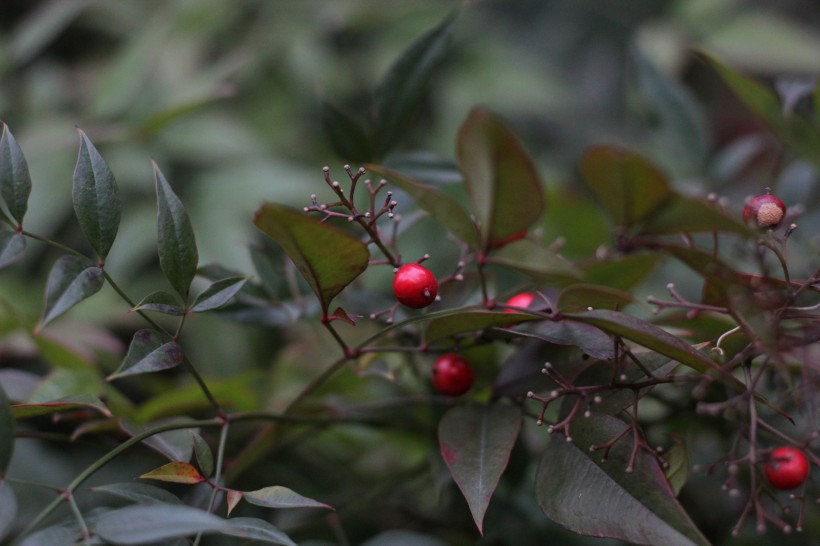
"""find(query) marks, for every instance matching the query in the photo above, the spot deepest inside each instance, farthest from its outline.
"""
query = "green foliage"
(284, 373)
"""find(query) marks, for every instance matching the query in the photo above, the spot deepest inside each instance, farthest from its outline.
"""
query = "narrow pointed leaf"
(15, 182)
(233, 497)
(652, 337)
(150, 351)
(55, 534)
(277, 496)
(446, 210)
(218, 294)
(6, 431)
(161, 302)
(175, 445)
(178, 255)
(71, 280)
(68, 403)
(204, 456)
(257, 530)
(626, 184)
(639, 507)
(328, 257)
(12, 247)
(501, 178)
(464, 322)
(141, 493)
(346, 135)
(402, 90)
(475, 443)
(142, 524)
(592, 295)
(678, 470)
(591, 340)
(96, 198)
(535, 261)
(682, 123)
(175, 472)
(8, 507)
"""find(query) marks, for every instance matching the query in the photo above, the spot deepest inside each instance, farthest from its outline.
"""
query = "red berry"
(452, 375)
(522, 300)
(764, 211)
(415, 286)
(787, 469)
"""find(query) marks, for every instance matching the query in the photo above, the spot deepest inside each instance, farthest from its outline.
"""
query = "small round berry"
(452, 375)
(415, 286)
(787, 468)
(522, 300)
(764, 211)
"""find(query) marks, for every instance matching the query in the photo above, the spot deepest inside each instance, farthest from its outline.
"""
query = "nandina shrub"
(616, 417)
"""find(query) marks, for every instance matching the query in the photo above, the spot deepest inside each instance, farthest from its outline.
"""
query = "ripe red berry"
(452, 375)
(415, 286)
(787, 469)
(522, 300)
(764, 211)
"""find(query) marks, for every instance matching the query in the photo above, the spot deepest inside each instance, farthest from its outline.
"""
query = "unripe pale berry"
(764, 211)
(415, 286)
(452, 375)
(788, 468)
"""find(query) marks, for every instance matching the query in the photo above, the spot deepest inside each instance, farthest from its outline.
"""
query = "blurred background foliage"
(226, 96)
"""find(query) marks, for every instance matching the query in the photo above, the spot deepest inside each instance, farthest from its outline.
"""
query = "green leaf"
(15, 182)
(178, 255)
(141, 493)
(475, 443)
(63, 533)
(218, 294)
(592, 295)
(61, 383)
(277, 496)
(6, 432)
(204, 456)
(678, 471)
(347, 136)
(8, 506)
(257, 529)
(799, 132)
(12, 246)
(578, 491)
(176, 445)
(501, 178)
(404, 86)
(535, 261)
(68, 403)
(626, 184)
(589, 339)
(689, 215)
(175, 472)
(652, 337)
(161, 302)
(622, 273)
(462, 322)
(71, 280)
(446, 210)
(682, 123)
(142, 524)
(150, 351)
(96, 198)
(328, 257)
